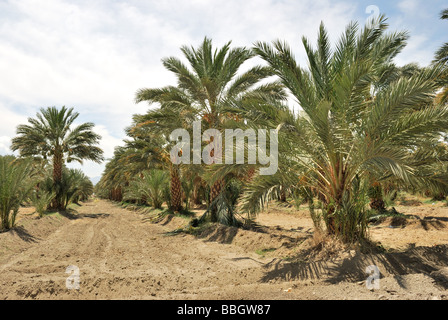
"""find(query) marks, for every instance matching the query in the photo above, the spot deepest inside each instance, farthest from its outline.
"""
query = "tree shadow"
(168, 219)
(23, 234)
(433, 222)
(225, 234)
(288, 271)
(69, 214)
(403, 220)
(220, 234)
(445, 219)
(94, 215)
(410, 202)
(74, 215)
(165, 216)
(426, 260)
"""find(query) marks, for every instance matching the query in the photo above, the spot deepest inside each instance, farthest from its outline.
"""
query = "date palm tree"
(52, 135)
(115, 176)
(208, 84)
(149, 144)
(148, 186)
(17, 179)
(353, 123)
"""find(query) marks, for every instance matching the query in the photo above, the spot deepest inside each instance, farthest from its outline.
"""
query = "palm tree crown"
(211, 81)
(52, 134)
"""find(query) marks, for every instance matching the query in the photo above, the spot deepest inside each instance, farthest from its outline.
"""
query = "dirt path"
(120, 256)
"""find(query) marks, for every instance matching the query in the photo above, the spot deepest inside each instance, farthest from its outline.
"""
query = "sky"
(93, 55)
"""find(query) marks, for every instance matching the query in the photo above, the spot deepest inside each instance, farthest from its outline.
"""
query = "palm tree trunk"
(57, 180)
(116, 194)
(196, 197)
(215, 191)
(376, 197)
(377, 204)
(250, 174)
(282, 195)
(5, 222)
(197, 186)
(175, 189)
(57, 169)
(331, 223)
(333, 226)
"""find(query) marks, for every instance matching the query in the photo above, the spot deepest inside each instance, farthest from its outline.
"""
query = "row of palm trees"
(361, 123)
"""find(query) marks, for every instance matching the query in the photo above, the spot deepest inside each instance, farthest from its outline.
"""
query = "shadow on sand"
(426, 260)
(74, 215)
(23, 234)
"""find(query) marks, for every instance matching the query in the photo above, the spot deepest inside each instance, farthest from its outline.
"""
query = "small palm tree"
(51, 135)
(41, 200)
(76, 187)
(16, 184)
(149, 186)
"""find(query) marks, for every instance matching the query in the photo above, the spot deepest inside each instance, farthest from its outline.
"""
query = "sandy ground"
(121, 255)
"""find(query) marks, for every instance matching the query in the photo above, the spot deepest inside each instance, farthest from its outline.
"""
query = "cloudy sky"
(94, 54)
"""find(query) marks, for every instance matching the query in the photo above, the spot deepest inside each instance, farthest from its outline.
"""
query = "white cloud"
(5, 143)
(108, 144)
(94, 55)
(408, 6)
(417, 50)
(422, 22)
(9, 120)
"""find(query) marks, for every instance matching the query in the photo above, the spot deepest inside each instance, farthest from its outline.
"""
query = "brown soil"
(121, 255)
